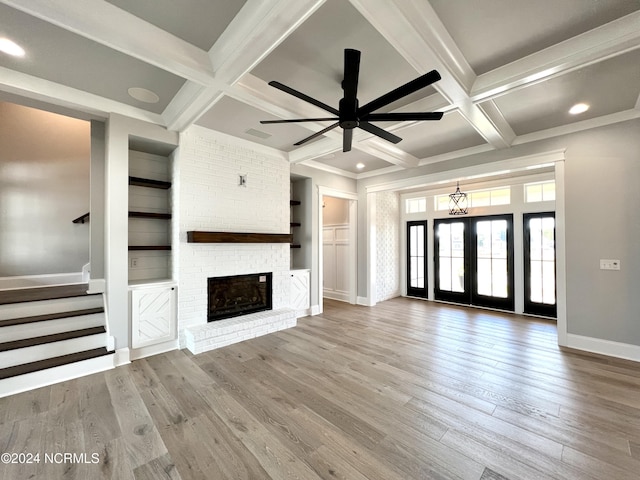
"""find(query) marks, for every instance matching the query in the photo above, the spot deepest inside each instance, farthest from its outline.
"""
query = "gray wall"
(44, 185)
(602, 210)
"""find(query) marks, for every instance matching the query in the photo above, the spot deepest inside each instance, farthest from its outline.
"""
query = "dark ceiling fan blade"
(297, 120)
(402, 91)
(347, 139)
(317, 134)
(402, 117)
(351, 72)
(304, 97)
(389, 137)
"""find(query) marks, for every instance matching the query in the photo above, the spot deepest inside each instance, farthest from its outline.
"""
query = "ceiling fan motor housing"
(349, 114)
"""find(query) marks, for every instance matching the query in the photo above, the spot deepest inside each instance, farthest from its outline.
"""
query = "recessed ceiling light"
(11, 48)
(360, 166)
(578, 108)
(143, 95)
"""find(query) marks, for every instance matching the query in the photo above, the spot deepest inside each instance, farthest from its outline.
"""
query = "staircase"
(51, 334)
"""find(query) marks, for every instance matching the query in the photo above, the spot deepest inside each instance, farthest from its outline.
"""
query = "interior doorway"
(338, 217)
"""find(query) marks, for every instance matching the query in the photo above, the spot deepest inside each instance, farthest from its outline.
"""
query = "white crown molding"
(597, 122)
(115, 28)
(613, 38)
(475, 171)
(56, 94)
(329, 169)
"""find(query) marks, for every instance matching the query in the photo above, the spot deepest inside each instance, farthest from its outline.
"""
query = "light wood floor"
(404, 390)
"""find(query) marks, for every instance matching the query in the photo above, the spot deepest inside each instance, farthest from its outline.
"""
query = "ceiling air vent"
(257, 133)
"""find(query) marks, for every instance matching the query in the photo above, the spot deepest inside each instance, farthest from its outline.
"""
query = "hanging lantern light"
(458, 202)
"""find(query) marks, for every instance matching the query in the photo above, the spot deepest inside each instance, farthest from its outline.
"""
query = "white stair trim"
(49, 376)
(20, 356)
(45, 307)
(49, 327)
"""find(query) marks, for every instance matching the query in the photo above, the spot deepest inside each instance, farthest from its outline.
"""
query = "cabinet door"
(153, 317)
(300, 290)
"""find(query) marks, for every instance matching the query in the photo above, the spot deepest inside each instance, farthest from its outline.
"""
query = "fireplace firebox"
(237, 295)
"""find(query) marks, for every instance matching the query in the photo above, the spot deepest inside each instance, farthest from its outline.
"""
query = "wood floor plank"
(138, 429)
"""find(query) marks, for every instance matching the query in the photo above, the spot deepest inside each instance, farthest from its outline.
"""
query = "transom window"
(479, 198)
(416, 205)
(540, 192)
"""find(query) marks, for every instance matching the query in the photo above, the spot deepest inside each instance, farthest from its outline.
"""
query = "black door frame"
(535, 308)
(413, 291)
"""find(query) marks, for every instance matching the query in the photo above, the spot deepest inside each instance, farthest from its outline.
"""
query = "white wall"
(44, 185)
(207, 171)
(387, 246)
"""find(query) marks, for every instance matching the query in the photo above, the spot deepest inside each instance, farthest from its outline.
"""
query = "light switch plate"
(609, 264)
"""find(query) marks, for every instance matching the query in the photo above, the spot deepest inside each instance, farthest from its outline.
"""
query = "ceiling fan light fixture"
(578, 108)
(458, 202)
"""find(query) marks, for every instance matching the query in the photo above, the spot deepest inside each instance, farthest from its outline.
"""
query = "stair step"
(56, 337)
(42, 293)
(52, 362)
(44, 307)
(50, 316)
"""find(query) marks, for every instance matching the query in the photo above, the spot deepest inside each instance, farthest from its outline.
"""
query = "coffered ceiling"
(511, 69)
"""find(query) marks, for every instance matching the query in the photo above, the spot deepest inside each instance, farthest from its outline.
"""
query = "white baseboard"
(122, 357)
(336, 295)
(315, 310)
(42, 378)
(365, 302)
(136, 353)
(604, 347)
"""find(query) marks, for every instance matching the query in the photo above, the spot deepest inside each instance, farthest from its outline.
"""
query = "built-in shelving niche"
(150, 216)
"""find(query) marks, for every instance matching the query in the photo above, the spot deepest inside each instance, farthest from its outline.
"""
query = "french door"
(474, 261)
(417, 259)
(540, 264)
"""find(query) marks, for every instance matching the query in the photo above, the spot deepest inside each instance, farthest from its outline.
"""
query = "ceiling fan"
(350, 115)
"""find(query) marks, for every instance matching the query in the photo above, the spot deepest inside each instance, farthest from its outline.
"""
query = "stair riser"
(43, 307)
(48, 327)
(30, 381)
(48, 350)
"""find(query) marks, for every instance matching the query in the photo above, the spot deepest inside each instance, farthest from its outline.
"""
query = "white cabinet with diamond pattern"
(300, 292)
(153, 314)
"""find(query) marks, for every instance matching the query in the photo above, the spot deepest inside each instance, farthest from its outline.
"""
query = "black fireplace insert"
(237, 295)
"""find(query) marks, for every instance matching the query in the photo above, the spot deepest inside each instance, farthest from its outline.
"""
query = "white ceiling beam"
(416, 32)
(613, 38)
(256, 30)
(35, 88)
(108, 25)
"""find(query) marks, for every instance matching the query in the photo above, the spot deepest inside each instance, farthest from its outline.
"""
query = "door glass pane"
(549, 283)
(541, 266)
(417, 253)
(499, 278)
(451, 256)
(457, 274)
(491, 258)
(484, 276)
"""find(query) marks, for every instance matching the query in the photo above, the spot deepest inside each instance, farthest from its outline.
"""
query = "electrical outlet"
(609, 264)
(133, 263)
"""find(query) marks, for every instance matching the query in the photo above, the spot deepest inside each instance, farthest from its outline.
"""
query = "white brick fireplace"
(210, 197)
